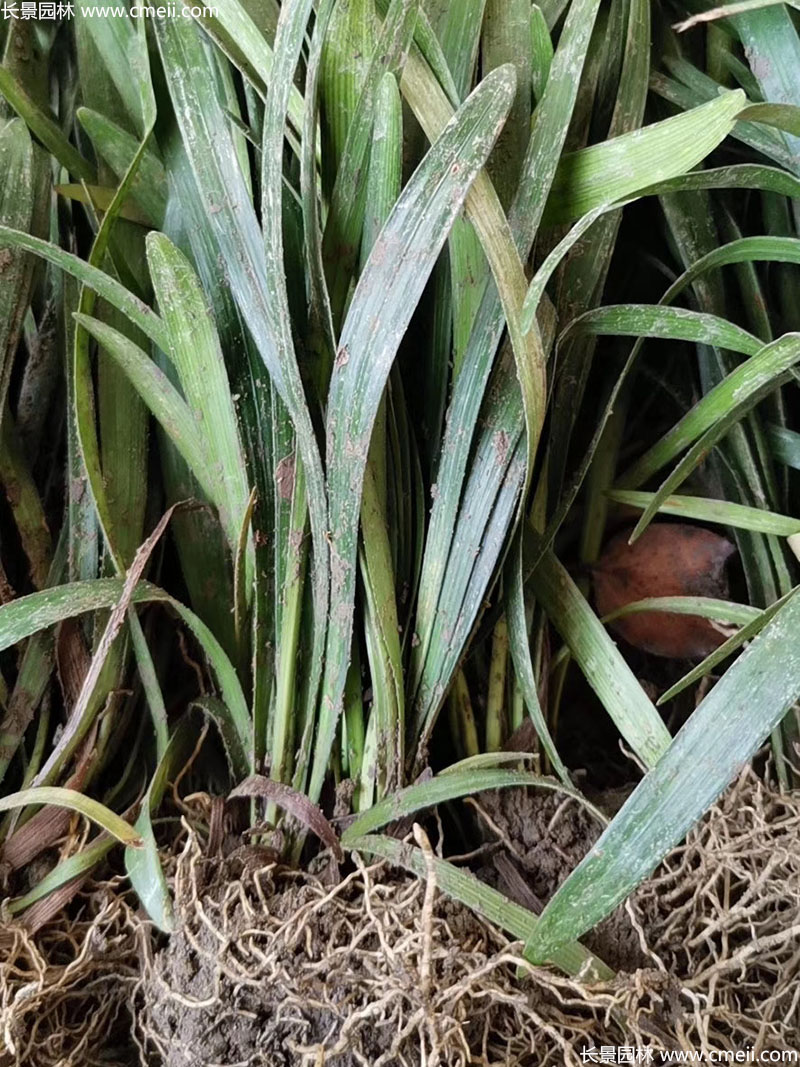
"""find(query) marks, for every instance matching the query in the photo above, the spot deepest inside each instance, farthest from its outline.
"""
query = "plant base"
(276, 967)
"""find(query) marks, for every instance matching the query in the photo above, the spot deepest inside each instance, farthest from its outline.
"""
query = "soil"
(543, 837)
(196, 1002)
(273, 967)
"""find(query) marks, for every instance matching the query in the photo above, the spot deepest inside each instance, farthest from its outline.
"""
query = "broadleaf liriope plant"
(361, 270)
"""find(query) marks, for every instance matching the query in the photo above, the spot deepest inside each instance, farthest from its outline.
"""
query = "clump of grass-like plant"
(327, 344)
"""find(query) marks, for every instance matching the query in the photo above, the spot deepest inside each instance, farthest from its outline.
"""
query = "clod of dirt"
(271, 967)
(669, 559)
(719, 919)
(544, 836)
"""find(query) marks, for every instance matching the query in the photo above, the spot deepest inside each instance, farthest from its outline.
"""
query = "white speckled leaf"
(721, 736)
(387, 293)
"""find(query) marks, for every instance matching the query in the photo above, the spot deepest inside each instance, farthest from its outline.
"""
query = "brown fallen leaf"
(669, 559)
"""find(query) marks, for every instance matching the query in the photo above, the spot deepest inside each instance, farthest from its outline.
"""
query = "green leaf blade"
(387, 293)
(719, 738)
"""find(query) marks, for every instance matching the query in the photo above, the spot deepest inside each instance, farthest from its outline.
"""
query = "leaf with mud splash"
(388, 291)
(720, 737)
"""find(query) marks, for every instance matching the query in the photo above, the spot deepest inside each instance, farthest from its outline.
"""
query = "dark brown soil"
(200, 1007)
(543, 836)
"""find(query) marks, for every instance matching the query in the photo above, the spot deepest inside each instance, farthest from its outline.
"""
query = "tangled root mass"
(276, 967)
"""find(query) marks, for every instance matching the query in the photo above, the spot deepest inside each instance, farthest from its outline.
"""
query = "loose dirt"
(542, 837)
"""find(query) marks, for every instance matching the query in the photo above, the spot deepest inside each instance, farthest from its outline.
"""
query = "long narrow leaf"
(445, 787)
(164, 401)
(253, 260)
(387, 293)
(104, 285)
(618, 167)
(719, 738)
(83, 805)
(27, 615)
(143, 864)
(708, 510)
(763, 368)
(197, 356)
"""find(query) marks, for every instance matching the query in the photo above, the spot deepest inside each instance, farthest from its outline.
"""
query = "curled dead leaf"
(295, 803)
(669, 559)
